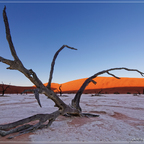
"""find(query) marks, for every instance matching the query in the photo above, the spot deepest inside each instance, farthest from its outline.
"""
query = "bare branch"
(142, 74)
(30, 74)
(113, 75)
(75, 102)
(94, 82)
(36, 93)
(64, 109)
(8, 35)
(53, 63)
(28, 128)
(6, 61)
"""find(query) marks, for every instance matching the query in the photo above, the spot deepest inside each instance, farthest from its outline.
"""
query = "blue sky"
(107, 34)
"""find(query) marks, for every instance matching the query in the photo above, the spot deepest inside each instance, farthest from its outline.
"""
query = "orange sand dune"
(19, 89)
(104, 82)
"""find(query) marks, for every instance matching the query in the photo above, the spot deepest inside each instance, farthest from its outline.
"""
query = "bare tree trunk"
(63, 109)
(16, 64)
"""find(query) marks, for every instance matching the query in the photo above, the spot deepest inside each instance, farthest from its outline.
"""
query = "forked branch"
(16, 64)
(76, 100)
(63, 109)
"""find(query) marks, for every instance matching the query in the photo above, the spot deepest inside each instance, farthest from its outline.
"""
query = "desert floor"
(121, 119)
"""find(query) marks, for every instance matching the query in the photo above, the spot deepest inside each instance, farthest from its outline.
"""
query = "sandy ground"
(121, 119)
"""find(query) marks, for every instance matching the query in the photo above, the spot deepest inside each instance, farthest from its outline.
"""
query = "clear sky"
(107, 34)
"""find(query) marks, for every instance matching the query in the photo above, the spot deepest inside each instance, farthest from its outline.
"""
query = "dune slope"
(104, 84)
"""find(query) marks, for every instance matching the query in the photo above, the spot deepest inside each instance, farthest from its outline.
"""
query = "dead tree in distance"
(74, 108)
(4, 88)
(60, 90)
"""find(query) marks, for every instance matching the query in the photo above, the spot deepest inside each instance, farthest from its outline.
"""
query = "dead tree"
(60, 90)
(4, 88)
(74, 108)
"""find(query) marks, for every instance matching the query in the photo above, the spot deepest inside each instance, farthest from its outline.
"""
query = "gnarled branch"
(8, 35)
(64, 109)
(53, 63)
(16, 64)
(75, 102)
(28, 128)
(30, 74)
